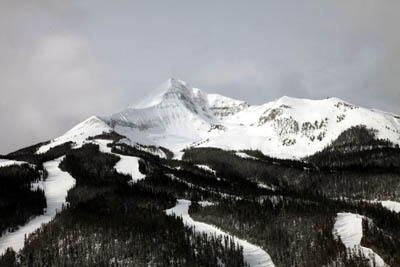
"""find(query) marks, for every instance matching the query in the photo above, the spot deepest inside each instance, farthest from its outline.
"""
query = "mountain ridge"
(179, 116)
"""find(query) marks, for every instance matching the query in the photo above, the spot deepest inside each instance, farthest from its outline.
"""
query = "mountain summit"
(179, 116)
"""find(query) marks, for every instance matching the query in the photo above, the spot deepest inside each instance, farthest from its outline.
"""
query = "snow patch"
(391, 205)
(130, 166)
(206, 203)
(245, 155)
(6, 163)
(207, 168)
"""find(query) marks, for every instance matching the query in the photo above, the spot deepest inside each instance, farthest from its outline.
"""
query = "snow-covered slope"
(79, 134)
(348, 227)
(180, 116)
(55, 187)
(391, 205)
(126, 165)
(294, 128)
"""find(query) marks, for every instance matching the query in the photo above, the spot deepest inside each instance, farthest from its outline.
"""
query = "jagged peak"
(171, 86)
(174, 83)
(174, 88)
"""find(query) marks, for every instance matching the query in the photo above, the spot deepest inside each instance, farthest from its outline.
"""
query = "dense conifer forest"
(18, 200)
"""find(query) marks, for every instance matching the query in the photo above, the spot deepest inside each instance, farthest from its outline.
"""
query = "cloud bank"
(50, 77)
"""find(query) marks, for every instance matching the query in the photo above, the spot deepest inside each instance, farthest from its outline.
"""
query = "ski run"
(55, 187)
(348, 227)
(253, 255)
(126, 165)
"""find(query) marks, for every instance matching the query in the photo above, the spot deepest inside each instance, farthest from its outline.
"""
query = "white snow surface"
(126, 165)
(348, 227)
(244, 155)
(130, 166)
(206, 167)
(391, 205)
(56, 187)
(7, 162)
(79, 134)
(179, 116)
(206, 203)
(253, 255)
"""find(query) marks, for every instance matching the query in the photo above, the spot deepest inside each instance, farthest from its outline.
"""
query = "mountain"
(179, 116)
(190, 179)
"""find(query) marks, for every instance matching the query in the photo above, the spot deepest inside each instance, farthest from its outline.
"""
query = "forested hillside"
(286, 207)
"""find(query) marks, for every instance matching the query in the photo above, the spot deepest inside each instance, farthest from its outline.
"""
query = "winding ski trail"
(55, 187)
(253, 255)
(348, 227)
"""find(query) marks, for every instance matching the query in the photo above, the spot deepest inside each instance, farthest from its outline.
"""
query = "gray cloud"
(51, 78)
(62, 61)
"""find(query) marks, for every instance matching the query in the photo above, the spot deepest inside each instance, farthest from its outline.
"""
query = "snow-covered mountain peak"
(90, 123)
(176, 86)
(170, 89)
(174, 90)
(177, 116)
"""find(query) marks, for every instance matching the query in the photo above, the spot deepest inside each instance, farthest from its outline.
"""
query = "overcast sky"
(63, 61)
